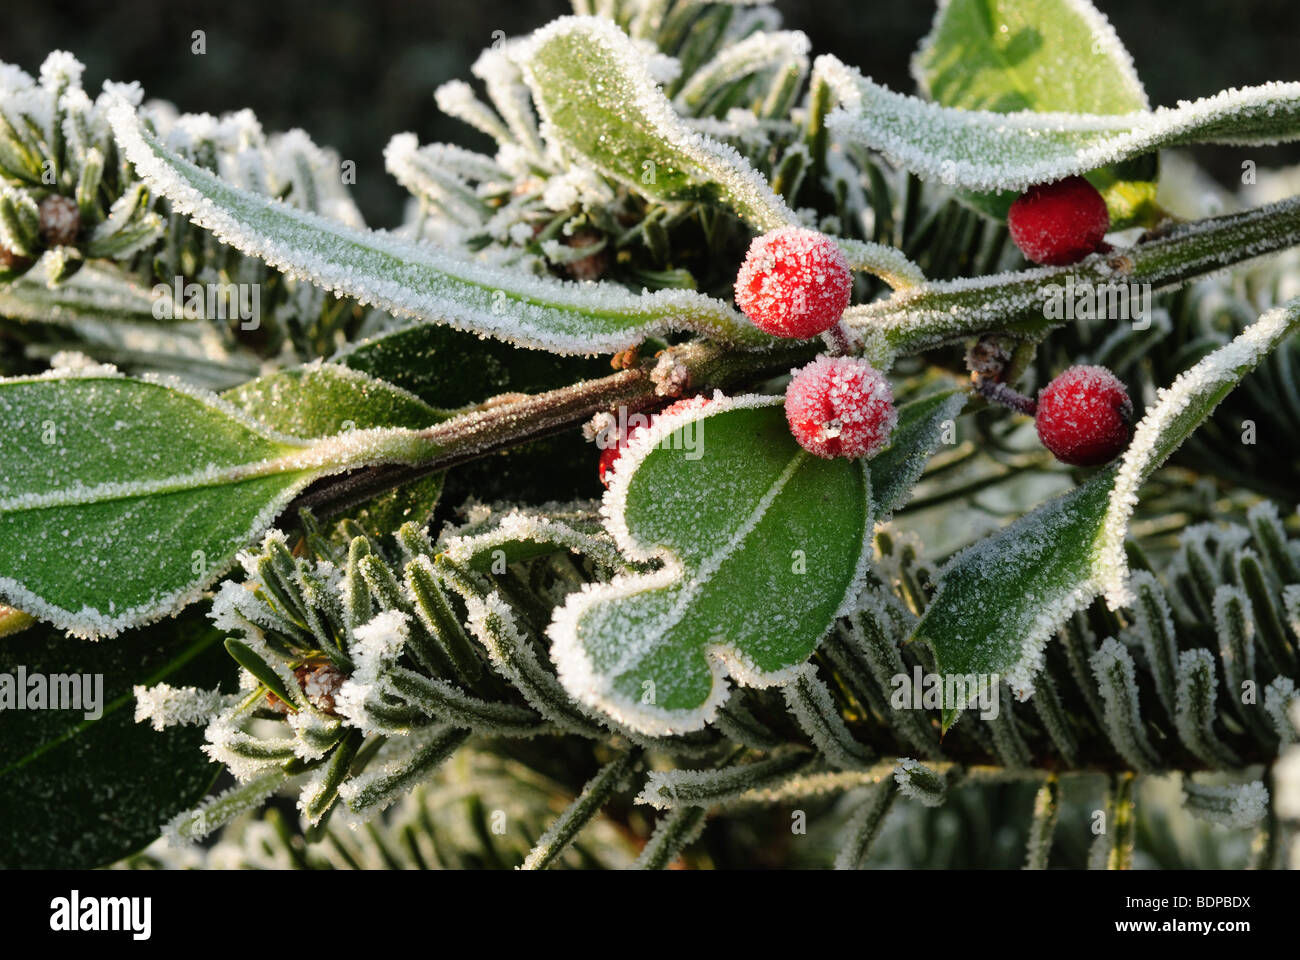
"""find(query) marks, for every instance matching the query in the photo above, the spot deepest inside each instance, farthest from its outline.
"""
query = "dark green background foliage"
(352, 74)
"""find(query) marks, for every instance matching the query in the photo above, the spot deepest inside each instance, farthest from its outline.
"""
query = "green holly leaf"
(78, 791)
(999, 601)
(323, 399)
(978, 150)
(122, 500)
(597, 100)
(1045, 56)
(762, 544)
(420, 280)
(448, 368)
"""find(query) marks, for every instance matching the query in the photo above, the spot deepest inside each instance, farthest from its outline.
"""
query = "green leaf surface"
(762, 545)
(597, 99)
(1012, 55)
(121, 500)
(920, 429)
(78, 792)
(420, 280)
(323, 399)
(1044, 56)
(981, 150)
(448, 368)
(999, 600)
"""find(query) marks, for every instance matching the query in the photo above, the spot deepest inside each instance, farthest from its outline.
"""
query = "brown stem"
(1004, 394)
(531, 417)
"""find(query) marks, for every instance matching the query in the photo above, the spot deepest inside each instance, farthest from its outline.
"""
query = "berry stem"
(1005, 395)
(841, 341)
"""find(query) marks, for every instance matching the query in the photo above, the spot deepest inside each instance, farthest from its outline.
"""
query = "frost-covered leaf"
(1043, 56)
(322, 399)
(597, 99)
(762, 546)
(79, 791)
(728, 77)
(448, 368)
(1012, 55)
(983, 150)
(1231, 805)
(121, 500)
(920, 429)
(999, 600)
(420, 280)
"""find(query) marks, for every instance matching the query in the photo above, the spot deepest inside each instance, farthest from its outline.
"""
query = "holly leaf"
(448, 368)
(762, 546)
(597, 100)
(1043, 56)
(420, 280)
(80, 791)
(323, 399)
(998, 601)
(980, 150)
(122, 500)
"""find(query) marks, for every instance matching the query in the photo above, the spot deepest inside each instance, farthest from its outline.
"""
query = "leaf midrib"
(704, 572)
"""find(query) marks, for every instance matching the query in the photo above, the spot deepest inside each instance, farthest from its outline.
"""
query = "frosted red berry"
(1059, 223)
(794, 283)
(1083, 416)
(609, 455)
(840, 407)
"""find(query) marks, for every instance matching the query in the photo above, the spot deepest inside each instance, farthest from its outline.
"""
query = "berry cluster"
(796, 283)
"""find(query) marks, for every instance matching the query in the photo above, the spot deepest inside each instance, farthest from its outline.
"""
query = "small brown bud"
(987, 358)
(60, 221)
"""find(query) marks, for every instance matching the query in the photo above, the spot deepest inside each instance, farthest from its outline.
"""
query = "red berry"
(794, 283)
(609, 455)
(840, 407)
(1059, 223)
(1083, 416)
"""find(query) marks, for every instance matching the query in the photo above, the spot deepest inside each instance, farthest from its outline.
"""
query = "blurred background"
(354, 73)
